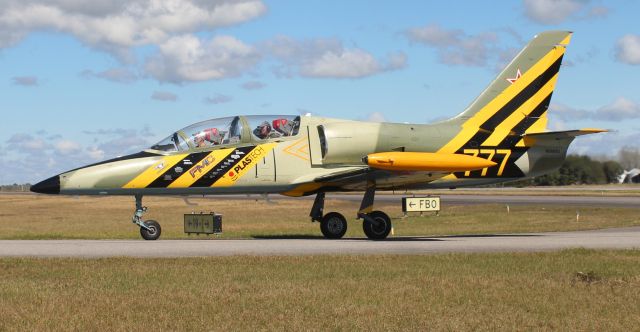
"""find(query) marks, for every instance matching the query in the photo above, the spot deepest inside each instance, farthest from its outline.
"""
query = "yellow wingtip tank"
(426, 161)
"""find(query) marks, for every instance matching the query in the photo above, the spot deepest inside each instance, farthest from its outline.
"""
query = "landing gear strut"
(375, 224)
(150, 229)
(333, 225)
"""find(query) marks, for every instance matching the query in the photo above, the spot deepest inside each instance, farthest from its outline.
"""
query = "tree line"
(581, 169)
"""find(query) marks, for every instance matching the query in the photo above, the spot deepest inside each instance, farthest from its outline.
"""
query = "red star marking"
(231, 173)
(513, 80)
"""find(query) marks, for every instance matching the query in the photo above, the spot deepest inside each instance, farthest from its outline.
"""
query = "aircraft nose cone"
(48, 186)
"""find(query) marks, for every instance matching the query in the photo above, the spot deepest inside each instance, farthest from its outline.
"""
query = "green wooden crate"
(203, 223)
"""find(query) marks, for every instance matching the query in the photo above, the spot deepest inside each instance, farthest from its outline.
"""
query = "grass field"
(606, 190)
(63, 217)
(568, 290)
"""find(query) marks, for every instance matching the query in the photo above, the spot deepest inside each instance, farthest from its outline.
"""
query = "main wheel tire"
(333, 225)
(379, 231)
(153, 233)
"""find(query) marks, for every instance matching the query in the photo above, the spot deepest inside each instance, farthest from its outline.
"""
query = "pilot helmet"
(264, 129)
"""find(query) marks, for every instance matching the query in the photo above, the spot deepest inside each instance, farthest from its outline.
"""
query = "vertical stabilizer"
(516, 102)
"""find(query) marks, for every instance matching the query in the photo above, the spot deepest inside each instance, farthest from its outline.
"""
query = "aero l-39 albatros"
(500, 137)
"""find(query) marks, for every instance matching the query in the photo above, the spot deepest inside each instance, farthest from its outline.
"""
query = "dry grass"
(55, 217)
(541, 291)
(606, 190)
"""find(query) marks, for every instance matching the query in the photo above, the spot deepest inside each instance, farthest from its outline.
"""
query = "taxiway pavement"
(619, 238)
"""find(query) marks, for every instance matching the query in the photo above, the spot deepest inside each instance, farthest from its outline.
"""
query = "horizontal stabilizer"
(426, 161)
(566, 133)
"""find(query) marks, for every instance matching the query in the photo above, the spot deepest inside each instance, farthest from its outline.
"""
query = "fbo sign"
(421, 204)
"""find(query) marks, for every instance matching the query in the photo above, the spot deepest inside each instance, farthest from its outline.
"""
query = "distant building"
(631, 176)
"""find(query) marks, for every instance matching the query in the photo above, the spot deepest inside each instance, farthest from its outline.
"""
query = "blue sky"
(83, 81)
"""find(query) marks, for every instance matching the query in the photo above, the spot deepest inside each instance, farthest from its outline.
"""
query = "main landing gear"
(333, 225)
(149, 229)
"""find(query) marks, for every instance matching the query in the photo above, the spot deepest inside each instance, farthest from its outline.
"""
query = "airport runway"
(620, 238)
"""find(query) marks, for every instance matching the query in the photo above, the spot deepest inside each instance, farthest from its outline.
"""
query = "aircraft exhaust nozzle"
(426, 161)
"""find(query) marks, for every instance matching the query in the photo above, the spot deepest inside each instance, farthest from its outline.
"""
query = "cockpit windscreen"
(203, 134)
(224, 131)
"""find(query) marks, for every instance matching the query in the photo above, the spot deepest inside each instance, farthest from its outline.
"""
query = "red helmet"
(211, 134)
(279, 123)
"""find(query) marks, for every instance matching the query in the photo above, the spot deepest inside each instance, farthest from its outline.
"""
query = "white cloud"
(350, 64)
(25, 80)
(188, 58)
(607, 144)
(95, 153)
(628, 49)
(119, 75)
(164, 96)
(621, 109)
(218, 99)
(32, 157)
(253, 85)
(568, 113)
(327, 58)
(551, 11)
(172, 30)
(27, 143)
(454, 46)
(598, 12)
(116, 25)
(67, 146)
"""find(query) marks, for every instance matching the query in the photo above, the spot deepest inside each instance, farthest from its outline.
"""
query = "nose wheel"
(149, 229)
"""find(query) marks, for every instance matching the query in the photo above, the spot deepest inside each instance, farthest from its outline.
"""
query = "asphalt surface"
(621, 238)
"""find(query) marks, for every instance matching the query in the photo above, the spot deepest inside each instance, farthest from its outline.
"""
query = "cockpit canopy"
(230, 130)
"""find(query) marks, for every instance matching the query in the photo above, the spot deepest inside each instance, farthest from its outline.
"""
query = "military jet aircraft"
(501, 136)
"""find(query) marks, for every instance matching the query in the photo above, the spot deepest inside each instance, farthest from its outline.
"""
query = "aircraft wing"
(385, 179)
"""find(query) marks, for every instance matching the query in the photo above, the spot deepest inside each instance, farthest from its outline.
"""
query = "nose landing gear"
(150, 229)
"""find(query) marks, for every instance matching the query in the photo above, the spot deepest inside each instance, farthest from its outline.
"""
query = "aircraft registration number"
(501, 157)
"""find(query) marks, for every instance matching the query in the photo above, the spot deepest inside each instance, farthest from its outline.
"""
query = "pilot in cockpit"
(283, 126)
(207, 137)
(199, 141)
(263, 131)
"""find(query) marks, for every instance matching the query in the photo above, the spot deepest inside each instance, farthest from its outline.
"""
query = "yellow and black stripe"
(201, 169)
(520, 108)
(176, 170)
